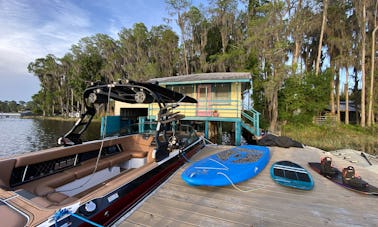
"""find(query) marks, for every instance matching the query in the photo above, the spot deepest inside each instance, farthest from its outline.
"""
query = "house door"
(204, 100)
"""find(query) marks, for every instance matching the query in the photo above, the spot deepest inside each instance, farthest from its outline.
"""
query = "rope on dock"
(236, 187)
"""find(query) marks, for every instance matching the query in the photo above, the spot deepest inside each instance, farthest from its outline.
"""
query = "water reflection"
(25, 135)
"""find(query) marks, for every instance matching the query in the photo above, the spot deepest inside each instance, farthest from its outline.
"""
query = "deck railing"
(213, 108)
(250, 121)
(327, 119)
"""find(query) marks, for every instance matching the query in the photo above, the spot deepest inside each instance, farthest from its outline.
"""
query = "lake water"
(19, 135)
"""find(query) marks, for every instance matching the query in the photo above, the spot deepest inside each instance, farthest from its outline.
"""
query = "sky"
(30, 29)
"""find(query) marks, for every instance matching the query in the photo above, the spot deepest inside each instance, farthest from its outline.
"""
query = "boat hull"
(119, 202)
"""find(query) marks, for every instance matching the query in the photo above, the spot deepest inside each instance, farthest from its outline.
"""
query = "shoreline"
(329, 138)
(72, 119)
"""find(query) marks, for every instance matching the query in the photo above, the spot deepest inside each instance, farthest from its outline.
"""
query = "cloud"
(32, 29)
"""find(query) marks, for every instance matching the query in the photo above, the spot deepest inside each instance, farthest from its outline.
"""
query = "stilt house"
(224, 109)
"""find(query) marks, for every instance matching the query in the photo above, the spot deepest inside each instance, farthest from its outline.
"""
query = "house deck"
(266, 203)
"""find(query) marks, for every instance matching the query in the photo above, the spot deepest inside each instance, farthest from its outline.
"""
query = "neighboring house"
(353, 112)
(354, 115)
(224, 105)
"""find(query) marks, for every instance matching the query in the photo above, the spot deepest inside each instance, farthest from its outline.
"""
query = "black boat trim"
(115, 200)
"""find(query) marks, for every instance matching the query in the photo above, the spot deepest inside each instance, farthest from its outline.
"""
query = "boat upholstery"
(6, 213)
(6, 167)
(43, 189)
(133, 142)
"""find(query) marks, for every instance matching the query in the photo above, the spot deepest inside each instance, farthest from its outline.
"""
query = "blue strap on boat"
(86, 220)
(60, 213)
(182, 153)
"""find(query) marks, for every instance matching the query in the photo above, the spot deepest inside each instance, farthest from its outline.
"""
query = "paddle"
(363, 155)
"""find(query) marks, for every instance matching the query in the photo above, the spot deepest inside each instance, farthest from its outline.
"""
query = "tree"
(47, 70)
(224, 12)
(267, 33)
(179, 7)
(197, 27)
(370, 120)
(302, 22)
(361, 16)
(274, 40)
(324, 21)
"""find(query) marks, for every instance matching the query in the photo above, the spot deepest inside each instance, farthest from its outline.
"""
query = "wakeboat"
(94, 183)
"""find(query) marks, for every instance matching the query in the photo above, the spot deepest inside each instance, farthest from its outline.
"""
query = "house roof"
(198, 78)
(351, 107)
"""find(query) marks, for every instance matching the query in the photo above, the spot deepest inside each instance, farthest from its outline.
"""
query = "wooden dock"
(266, 203)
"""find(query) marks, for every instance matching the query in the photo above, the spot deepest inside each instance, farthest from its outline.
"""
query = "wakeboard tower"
(129, 91)
(97, 182)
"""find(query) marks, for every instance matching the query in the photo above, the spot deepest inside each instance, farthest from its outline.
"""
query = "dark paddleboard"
(292, 175)
(227, 167)
(337, 178)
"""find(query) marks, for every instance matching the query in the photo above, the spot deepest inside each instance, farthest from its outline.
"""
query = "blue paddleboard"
(290, 174)
(226, 167)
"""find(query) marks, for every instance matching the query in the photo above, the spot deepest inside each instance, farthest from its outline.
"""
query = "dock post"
(207, 129)
(237, 132)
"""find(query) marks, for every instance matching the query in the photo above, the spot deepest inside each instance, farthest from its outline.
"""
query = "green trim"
(206, 129)
(223, 119)
(205, 82)
(237, 133)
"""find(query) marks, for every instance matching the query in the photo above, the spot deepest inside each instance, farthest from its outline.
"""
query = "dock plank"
(266, 204)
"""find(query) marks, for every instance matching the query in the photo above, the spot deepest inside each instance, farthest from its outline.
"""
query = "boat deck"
(266, 203)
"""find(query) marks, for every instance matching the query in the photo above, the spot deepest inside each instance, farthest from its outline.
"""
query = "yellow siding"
(228, 108)
(119, 105)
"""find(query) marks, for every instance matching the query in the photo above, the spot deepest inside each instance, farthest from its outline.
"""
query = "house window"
(222, 91)
(183, 89)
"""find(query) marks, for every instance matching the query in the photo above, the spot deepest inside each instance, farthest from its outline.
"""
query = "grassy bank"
(334, 137)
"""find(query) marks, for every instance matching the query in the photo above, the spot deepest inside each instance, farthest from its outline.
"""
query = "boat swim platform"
(266, 204)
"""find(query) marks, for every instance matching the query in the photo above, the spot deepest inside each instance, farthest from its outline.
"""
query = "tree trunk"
(317, 66)
(371, 93)
(296, 56)
(332, 93)
(363, 74)
(273, 102)
(203, 63)
(332, 96)
(337, 91)
(346, 90)
(297, 41)
(274, 111)
(182, 28)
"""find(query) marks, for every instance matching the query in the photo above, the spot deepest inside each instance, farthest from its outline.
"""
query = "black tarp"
(279, 141)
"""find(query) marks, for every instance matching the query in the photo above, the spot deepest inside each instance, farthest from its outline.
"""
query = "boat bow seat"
(6, 167)
(47, 185)
(139, 154)
(86, 168)
(44, 189)
(56, 199)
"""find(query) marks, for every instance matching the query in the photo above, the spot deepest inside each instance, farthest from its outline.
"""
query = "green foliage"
(214, 44)
(141, 53)
(276, 41)
(303, 97)
(14, 107)
(333, 137)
